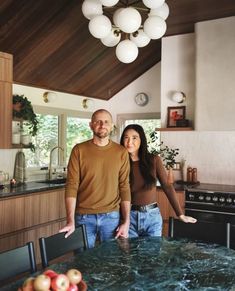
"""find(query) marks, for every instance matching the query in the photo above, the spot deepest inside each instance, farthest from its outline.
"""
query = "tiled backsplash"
(212, 153)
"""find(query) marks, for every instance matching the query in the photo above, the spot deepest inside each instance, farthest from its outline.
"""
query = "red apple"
(50, 273)
(42, 283)
(74, 275)
(73, 287)
(60, 283)
(28, 284)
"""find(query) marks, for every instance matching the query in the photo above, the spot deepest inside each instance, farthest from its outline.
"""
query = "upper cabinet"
(6, 80)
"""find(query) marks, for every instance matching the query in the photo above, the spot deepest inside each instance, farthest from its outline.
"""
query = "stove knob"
(222, 199)
(229, 200)
(208, 198)
(201, 197)
(215, 199)
(191, 196)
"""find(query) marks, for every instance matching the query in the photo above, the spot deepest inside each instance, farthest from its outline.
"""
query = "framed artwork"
(174, 114)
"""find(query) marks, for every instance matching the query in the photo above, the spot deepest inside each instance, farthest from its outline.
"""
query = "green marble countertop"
(151, 264)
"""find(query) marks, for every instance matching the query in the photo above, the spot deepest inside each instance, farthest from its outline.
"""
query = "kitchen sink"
(54, 181)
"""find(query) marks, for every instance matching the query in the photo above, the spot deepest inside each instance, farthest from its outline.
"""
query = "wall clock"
(141, 99)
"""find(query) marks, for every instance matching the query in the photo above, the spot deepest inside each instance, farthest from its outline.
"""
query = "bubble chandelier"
(121, 24)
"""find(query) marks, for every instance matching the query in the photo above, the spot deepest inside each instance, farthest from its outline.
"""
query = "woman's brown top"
(142, 196)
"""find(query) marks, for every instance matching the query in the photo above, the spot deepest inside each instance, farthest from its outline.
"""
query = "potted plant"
(23, 109)
(167, 154)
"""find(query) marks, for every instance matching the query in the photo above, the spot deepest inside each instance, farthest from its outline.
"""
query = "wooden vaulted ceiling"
(53, 49)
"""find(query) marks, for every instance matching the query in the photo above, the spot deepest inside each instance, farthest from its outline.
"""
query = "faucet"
(50, 163)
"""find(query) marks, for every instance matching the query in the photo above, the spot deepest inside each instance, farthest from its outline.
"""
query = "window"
(57, 127)
(149, 122)
(47, 138)
(78, 130)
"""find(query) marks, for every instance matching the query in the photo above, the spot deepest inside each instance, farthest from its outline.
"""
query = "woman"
(146, 168)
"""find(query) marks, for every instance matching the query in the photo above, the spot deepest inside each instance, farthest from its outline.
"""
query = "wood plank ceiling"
(53, 48)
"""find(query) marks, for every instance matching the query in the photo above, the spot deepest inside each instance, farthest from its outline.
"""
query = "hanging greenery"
(22, 108)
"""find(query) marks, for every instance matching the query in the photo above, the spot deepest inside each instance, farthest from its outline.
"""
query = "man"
(98, 184)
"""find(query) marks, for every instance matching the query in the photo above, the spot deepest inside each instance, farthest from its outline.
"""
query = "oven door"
(204, 231)
(232, 236)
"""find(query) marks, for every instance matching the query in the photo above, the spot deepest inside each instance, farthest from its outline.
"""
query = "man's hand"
(69, 229)
(123, 229)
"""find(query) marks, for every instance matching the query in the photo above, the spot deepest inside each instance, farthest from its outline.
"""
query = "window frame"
(62, 124)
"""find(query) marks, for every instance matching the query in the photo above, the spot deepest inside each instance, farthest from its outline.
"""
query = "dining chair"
(57, 245)
(200, 231)
(16, 261)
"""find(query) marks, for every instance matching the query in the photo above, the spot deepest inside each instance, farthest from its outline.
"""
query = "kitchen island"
(152, 264)
(30, 211)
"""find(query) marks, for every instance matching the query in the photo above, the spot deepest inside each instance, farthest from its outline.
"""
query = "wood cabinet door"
(166, 209)
(6, 79)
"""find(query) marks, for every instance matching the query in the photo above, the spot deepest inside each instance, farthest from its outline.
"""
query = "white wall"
(178, 73)
(212, 152)
(215, 72)
(149, 83)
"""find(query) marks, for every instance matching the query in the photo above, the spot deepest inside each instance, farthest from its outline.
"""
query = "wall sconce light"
(87, 103)
(49, 97)
(178, 97)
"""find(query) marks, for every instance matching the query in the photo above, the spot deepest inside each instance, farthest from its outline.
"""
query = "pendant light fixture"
(120, 23)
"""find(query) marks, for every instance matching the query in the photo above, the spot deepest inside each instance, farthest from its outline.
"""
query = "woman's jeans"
(148, 223)
(103, 224)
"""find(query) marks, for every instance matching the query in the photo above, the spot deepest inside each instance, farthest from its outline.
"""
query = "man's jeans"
(147, 223)
(104, 225)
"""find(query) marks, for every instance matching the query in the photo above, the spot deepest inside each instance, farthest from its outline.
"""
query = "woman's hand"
(187, 219)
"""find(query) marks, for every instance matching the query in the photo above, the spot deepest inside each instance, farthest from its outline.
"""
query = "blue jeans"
(147, 223)
(103, 224)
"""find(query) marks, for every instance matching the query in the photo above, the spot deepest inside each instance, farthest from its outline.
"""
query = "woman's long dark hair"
(145, 158)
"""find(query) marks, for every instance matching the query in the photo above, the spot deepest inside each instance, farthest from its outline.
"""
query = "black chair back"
(17, 261)
(57, 245)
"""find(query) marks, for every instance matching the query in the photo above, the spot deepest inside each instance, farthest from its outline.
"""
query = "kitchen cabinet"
(27, 217)
(6, 80)
(166, 209)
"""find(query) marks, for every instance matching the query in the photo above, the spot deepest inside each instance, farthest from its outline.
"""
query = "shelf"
(174, 129)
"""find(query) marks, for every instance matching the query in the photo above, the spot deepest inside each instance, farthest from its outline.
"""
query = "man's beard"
(102, 134)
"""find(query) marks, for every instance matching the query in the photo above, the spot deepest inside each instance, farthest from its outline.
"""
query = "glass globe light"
(140, 38)
(178, 97)
(115, 16)
(126, 51)
(100, 26)
(109, 3)
(91, 8)
(153, 3)
(129, 19)
(155, 27)
(112, 38)
(162, 11)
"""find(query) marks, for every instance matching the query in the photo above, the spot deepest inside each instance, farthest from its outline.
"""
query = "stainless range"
(214, 207)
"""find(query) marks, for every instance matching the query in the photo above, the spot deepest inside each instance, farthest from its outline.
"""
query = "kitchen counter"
(28, 188)
(151, 264)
